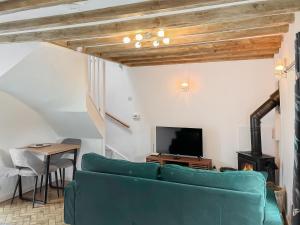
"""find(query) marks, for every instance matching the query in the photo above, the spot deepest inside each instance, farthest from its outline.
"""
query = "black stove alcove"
(255, 159)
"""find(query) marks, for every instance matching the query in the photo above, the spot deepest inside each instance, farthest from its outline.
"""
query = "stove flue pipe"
(255, 121)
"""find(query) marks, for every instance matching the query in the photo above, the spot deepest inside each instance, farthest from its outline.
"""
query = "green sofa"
(117, 192)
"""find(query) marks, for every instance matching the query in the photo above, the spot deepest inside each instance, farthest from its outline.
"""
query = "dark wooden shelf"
(193, 162)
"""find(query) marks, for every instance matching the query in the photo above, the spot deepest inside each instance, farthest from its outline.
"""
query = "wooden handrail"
(109, 115)
(117, 120)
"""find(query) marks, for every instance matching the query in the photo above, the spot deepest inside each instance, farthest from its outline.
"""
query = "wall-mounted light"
(282, 69)
(184, 86)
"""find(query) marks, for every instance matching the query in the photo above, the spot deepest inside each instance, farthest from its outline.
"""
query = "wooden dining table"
(51, 150)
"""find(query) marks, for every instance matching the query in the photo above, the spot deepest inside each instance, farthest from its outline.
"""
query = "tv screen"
(179, 141)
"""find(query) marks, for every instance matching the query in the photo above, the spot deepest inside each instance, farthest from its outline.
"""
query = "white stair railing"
(96, 103)
(112, 153)
(96, 82)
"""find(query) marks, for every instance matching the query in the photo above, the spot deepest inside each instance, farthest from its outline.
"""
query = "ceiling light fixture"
(139, 37)
(161, 33)
(138, 45)
(155, 44)
(126, 40)
(166, 40)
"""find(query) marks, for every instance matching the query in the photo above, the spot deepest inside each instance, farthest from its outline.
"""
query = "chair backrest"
(22, 158)
(6, 172)
(72, 141)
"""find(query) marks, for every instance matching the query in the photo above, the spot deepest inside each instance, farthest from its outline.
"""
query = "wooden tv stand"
(193, 162)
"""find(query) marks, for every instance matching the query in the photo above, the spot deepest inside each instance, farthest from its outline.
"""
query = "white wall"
(221, 98)
(13, 54)
(20, 126)
(288, 111)
(121, 101)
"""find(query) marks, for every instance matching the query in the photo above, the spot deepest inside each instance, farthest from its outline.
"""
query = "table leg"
(20, 188)
(74, 162)
(47, 180)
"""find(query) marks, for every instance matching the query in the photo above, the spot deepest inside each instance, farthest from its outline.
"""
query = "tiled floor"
(22, 213)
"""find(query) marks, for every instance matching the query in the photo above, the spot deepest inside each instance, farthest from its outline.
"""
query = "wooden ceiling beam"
(239, 48)
(267, 21)
(273, 48)
(193, 39)
(182, 61)
(270, 40)
(12, 6)
(204, 56)
(204, 17)
(97, 15)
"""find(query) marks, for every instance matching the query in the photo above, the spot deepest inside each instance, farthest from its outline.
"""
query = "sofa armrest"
(69, 203)
(272, 212)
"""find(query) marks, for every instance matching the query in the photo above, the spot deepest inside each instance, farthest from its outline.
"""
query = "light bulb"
(126, 40)
(161, 33)
(155, 44)
(280, 67)
(166, 41)
(139, 37)
(138, 45)
(184, 86)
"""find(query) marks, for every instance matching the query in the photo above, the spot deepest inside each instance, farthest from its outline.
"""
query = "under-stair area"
(68, 94)
(56, 90)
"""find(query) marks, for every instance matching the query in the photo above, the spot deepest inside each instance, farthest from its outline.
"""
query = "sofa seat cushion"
(245, 181)
(96, 163)
(272, 213)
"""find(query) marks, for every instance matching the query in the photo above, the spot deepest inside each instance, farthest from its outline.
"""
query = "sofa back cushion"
(123, 200)
(244, 181)
(96, 163)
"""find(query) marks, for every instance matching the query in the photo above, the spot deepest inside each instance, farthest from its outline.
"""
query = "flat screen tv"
(179, 141)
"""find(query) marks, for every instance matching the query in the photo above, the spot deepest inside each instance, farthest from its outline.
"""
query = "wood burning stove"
(255, 159)
(248, 161)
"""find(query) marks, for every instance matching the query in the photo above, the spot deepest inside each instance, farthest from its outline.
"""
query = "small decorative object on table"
(39, 145)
